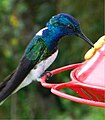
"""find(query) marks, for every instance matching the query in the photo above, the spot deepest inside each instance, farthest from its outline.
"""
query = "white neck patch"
(40, 33)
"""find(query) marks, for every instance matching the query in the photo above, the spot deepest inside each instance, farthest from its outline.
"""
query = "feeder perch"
(87, 78)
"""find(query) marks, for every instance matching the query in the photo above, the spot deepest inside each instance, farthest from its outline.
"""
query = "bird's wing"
(2, 84)
(28, 61)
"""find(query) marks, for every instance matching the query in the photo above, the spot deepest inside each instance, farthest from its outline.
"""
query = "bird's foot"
(48, 74)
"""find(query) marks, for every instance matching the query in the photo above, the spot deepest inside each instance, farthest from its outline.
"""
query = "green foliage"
(19, 21)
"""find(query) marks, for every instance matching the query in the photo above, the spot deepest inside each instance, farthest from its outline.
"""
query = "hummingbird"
(41, 53)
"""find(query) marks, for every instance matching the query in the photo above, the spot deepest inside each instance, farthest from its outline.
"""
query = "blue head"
(65, 24)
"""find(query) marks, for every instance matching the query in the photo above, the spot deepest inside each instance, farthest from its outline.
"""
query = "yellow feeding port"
(97, 46)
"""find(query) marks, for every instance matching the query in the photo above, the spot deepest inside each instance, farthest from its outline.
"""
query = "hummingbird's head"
(66, 24)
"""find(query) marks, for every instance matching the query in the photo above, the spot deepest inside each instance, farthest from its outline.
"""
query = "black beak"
(81, 35)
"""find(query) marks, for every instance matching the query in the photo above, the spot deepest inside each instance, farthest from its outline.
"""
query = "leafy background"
(19, 21)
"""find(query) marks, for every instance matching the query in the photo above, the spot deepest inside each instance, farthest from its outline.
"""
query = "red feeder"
(88, 80)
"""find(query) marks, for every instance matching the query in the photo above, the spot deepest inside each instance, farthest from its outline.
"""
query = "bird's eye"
(70, 26)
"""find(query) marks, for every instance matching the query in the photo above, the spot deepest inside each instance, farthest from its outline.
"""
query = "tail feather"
(4, 83)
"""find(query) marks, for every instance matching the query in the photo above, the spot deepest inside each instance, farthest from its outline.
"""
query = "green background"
(19, 21)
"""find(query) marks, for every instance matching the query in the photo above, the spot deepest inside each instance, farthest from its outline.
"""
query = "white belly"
(36, 73)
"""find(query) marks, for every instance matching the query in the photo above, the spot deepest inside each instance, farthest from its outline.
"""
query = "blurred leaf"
(14, 42)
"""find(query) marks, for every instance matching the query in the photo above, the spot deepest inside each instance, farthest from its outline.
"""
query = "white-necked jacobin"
(40, 53)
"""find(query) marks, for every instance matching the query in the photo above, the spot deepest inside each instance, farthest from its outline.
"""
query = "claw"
(48, 74)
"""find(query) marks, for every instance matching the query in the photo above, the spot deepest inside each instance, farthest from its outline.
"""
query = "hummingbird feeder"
(87, 79)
